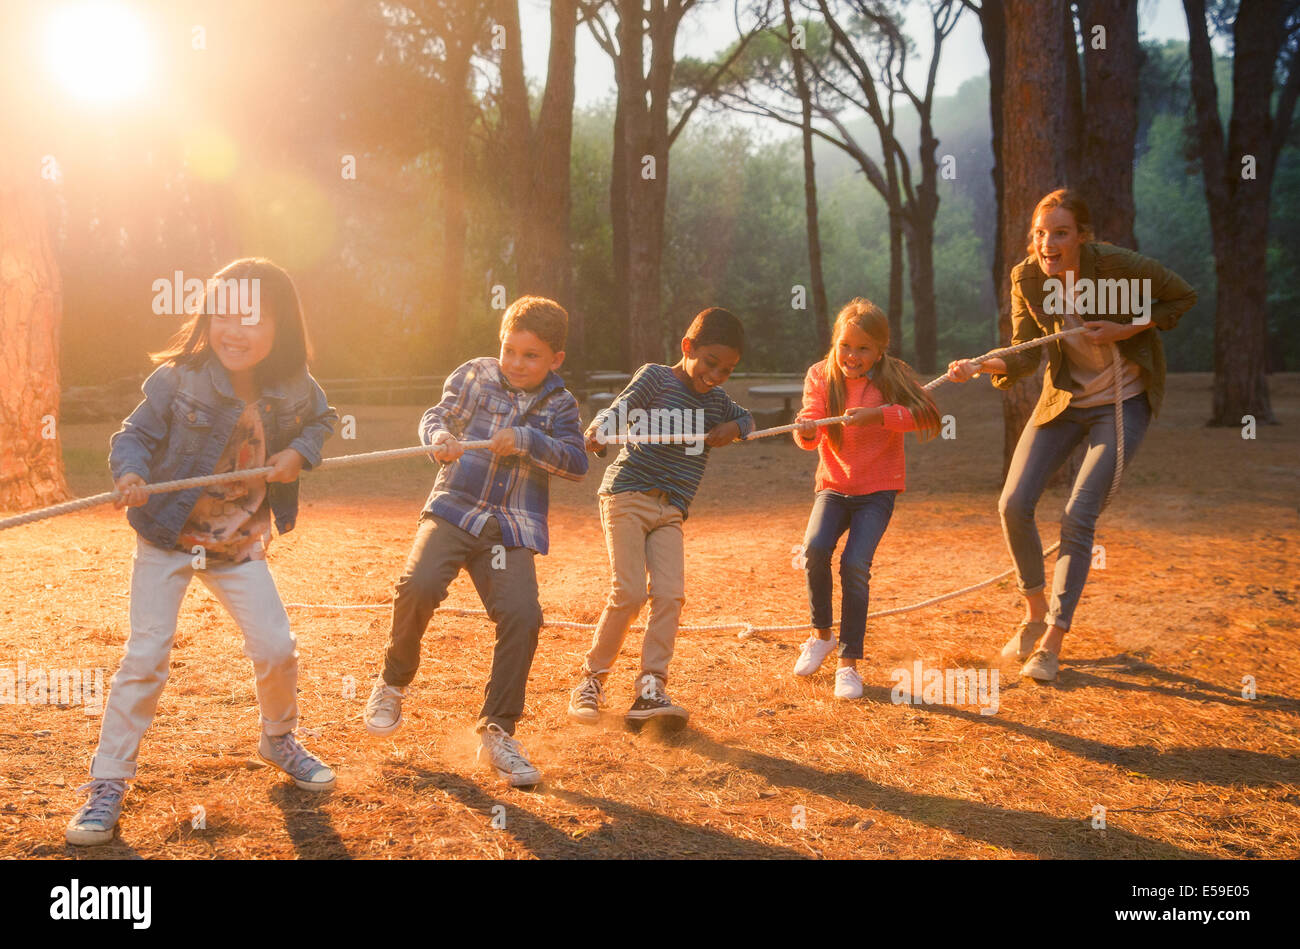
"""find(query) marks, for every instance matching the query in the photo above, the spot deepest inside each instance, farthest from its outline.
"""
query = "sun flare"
(98, 51)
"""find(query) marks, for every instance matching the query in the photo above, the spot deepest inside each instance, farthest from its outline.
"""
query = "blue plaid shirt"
(477, 403)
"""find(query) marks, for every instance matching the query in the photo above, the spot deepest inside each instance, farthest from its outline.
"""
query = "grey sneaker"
(652, 702)
(587, 699)
(384, 709)
(504, 754)
(1042, 666)
(1022, 641)
(96, 822)
(285, 753)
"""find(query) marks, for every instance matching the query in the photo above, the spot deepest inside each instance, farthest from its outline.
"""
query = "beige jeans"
(159, 579)
(643, 533)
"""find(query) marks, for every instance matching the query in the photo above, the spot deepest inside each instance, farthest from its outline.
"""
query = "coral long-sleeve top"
(869, 457)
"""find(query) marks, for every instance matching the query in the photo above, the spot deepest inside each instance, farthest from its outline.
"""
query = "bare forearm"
(996, 365)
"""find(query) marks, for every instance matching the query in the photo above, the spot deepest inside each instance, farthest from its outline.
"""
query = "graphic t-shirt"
(232, 521)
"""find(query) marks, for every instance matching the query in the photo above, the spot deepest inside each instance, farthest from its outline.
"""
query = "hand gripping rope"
(746, 629)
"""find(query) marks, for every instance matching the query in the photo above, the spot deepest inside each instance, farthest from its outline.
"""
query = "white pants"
(159, 579)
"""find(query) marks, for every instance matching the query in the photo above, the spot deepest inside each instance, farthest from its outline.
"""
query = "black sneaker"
(652, 702)
(587, 699)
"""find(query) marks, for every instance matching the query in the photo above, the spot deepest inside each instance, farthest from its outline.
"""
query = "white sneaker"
(504, 754)
(384, 709)
(848, 684)
(813, 654)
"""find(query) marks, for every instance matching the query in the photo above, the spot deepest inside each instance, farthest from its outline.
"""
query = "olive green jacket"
(1171, 298)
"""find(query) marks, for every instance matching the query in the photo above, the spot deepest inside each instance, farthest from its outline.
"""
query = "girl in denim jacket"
(232, 391)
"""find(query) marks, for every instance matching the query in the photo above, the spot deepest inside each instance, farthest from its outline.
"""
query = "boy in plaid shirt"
(487, 513)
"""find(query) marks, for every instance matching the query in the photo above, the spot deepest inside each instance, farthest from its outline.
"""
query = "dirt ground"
(1148, 719)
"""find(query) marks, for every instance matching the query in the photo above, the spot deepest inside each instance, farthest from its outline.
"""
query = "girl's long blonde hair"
(894, 378)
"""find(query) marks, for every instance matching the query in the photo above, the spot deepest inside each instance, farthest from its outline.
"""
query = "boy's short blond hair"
(542, 317)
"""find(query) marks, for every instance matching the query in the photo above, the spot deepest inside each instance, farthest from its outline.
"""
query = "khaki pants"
(643, 533)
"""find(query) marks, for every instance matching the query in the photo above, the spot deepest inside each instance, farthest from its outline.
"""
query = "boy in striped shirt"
(644, 499)
(487, 514)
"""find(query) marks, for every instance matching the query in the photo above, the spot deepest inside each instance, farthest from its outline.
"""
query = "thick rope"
(341, 461)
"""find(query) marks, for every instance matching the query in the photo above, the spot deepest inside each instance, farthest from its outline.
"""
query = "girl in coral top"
(860, 470)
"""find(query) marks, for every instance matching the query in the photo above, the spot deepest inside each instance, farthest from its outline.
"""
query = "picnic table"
(786, 391)
(608, 379)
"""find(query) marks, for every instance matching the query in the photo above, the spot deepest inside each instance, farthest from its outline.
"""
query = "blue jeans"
(865, 517)
(1041, 450)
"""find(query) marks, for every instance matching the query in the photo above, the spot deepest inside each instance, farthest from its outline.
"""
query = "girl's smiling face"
(1056, 241)
(856, 352)
(241, 346)
(707, 367)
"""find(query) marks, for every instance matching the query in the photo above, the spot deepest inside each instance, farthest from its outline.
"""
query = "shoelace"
(296, 756)
(591, 689)
(810, 644)
(509, 751)
(384, 699)
(104, 795)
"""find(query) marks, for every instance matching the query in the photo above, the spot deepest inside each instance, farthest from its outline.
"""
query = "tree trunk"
(993, 31)
(895, 305)
(1032, 163)
(821, 307)
(1110, 120)
(920, 271)
(31, 309)
(643, 100)
(619, 225)
(1238, 201)
(925, 208)
(1074, 114)
(540, 158)
(455, 144)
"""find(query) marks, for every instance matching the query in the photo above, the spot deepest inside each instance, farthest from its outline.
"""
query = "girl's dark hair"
(290, 350)
(717, 327)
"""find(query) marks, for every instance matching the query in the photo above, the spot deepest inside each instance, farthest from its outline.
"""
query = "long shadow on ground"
(1227, 767)
(634, 834)
(309, 828)
(1025, 831)
(1181, 687)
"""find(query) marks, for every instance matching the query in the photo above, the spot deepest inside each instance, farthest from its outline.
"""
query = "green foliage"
(735, 229)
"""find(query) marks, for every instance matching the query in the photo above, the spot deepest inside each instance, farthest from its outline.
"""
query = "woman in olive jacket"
(1122, 298)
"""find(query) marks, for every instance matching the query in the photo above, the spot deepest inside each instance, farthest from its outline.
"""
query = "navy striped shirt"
(657, 402)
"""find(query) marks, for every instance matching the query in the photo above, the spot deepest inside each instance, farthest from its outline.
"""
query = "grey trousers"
(506, 581)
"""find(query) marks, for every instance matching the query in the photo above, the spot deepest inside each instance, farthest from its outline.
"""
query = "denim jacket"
(184, 423)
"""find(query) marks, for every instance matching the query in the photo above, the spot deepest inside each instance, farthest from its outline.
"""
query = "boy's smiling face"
(526, 359)
(707, 366)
